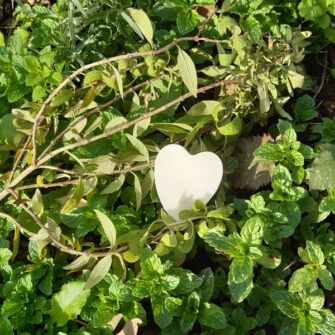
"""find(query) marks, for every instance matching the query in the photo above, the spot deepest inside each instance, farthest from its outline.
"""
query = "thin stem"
(71, 251)
(131, 123)
(18, 159)
(85, 174)
(38, 117)
(9, 217)
(96, 110)
(323, 77)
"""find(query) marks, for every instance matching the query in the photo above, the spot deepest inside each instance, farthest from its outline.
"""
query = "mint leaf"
(290, 304)
(188, 281)
(230, 245)
(211, 315)
(315, 252)
(304, 109)
(270, 152)
(322, 175)
(150, 263)
(252, 231)
(161, 315)
(326, 279)
(190, 312)
(68, 302)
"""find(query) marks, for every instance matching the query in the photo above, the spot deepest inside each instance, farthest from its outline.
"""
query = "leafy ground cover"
(90, 91)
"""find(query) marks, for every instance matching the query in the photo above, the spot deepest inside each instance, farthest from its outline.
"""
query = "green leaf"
(205, 107)
(239, 291)
(138, 145)
(326, 279)
(38, 93)
(6, 327)
(62, 97)
(92, 76)
(291, 211)
(114, 186)
(161, 316)
(31, 64)
(314, 252)
(206, 289)
(303, 279)
(143, 23)
(211, 315)
(188, 72)
(67, 304)
(150, 263)
(270, 152)
(188, 281)
(305, 326)
(324, 322)
(304, 109)
(281, 178)
(289, 303)
(252, 231)
(74, 199)
(99, 272)
(131, 23)
(230, 245)
(190, 312)
(187, 21)
(322, 173)
(241, 269)
(108, 227)
(232, 128)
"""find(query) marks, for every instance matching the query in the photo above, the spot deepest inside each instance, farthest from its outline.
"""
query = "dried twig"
(282, 271)
(323, 76)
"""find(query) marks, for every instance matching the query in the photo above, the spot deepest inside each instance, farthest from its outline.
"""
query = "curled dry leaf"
(252, 172)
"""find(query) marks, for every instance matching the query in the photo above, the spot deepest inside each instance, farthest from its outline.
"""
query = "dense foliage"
(90, 91)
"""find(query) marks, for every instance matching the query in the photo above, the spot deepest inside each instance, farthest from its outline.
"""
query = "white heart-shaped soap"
(182, 178)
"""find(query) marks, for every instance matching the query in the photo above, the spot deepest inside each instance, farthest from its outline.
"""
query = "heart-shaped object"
(182, 178)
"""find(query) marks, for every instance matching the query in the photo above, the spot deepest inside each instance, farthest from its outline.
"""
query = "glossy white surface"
(182, 178)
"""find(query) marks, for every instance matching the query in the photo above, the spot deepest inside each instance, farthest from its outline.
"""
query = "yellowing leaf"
(37, 203)
(188, 72)
(39, 181)
(143, 23)
(16, 242)
(108, 227)
(118, 80)
(74, 199)
(99, 272)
